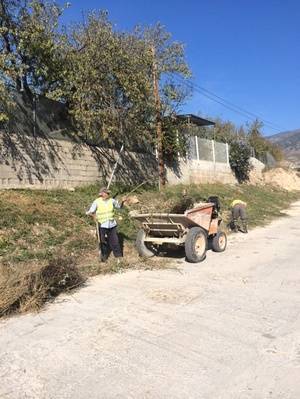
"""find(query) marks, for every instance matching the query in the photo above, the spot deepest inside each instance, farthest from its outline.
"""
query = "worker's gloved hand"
(123, 201)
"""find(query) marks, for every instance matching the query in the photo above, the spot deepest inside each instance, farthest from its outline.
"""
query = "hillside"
(290, 143)
(48, 245)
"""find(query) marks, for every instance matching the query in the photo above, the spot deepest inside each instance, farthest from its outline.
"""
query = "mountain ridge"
(289, 141)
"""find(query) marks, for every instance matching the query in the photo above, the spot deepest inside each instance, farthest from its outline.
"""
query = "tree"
(239, 159)
(31, 59)
(108, 86)
(30, 44)
(225, 131)
(168, 63)
(104, 77)
(222, 131)
(260, 144)
(175, 139)
(255, 138)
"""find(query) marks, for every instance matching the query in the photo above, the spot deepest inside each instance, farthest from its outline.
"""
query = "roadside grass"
(48, 245)
(264, 203)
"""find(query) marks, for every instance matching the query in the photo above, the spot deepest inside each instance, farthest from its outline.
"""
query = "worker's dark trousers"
(109, 242)
(239, 211)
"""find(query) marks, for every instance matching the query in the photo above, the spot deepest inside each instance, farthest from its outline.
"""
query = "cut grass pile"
(27, 289)
(48, 244)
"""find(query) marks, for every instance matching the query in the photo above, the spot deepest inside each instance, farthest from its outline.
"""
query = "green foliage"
(239, 158)
(222, 131)
(31, 44)
(170, 59)
(174, 139)
(108, 86)
(251, 136)
(104, 76)
(260, 144)
(6, 104)
(225, 131)
(255, 138)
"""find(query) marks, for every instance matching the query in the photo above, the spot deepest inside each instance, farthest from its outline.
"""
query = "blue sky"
(247, 52)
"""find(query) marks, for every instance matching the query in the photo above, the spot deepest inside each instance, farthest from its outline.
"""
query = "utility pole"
(159, 132)
(34, 101)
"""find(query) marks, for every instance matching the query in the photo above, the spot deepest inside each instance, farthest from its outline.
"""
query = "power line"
(238, 107)
(227, 104)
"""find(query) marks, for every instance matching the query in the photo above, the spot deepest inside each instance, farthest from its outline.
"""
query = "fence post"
(197, 149)
(227, 153)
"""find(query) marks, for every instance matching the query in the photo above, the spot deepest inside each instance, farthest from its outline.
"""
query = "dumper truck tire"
(141, 246)
(195, 245)
(219, 242)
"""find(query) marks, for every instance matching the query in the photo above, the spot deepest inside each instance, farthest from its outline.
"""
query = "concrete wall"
(43, 163)
(196, 172)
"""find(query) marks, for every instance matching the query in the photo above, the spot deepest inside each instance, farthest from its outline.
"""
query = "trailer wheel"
(144, 249)
(196, 245)
(219, 242)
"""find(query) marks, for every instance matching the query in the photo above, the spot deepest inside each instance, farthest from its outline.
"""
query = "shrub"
(239, 158)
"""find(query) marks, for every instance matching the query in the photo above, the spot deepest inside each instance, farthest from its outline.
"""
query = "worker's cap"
(104, 190)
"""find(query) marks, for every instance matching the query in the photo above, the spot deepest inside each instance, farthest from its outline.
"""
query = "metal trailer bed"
(193, 230)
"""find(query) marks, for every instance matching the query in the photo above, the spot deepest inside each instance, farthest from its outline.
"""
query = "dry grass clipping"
(29, 288)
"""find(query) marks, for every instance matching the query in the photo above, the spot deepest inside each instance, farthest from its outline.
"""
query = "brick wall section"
(43, 163)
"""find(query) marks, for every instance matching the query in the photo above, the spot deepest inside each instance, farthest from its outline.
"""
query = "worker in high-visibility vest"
(238, 210)
(103, 212)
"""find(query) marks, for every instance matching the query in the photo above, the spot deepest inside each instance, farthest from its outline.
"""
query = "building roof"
(196, 120)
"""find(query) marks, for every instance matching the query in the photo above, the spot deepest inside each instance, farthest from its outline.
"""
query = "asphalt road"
(226, 328)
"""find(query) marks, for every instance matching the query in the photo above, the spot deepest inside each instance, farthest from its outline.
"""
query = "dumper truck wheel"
(195, 245)
(143, 248)
(219, 242)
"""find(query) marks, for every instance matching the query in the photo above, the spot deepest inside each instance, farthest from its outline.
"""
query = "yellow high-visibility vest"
(237, 201)
(105, 210)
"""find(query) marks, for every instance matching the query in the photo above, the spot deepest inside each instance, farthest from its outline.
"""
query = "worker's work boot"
(244, 227)
(102, 258)
(103, 253)
(235, 227)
